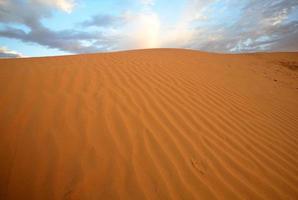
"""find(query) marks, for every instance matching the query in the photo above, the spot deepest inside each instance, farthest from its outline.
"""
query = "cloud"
(147, 2)
(31, 14)
(7, 53)
(262, 26)
(141, 30)
(289, 43)
(182, 33)
(208, 25)
(64, 5)
(101, 20)
(66, 40)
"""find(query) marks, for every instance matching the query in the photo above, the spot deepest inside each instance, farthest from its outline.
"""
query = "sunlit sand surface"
(149, 124)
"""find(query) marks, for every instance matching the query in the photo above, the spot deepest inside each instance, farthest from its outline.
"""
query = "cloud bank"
(205, 25)
(30, 15)
(7, 53)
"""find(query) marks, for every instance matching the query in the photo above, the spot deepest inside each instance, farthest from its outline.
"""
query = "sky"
(60, 27)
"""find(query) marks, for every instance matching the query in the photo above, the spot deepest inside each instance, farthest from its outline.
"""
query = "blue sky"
(59, 27)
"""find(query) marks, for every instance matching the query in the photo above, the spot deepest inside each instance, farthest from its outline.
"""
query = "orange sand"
(149, 124)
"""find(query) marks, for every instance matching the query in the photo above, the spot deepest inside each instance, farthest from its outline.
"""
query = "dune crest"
(149, 124)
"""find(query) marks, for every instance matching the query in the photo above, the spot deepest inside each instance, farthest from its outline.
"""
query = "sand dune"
(149, 124)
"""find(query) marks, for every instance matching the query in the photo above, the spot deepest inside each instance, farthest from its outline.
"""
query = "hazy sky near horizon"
(58, 27)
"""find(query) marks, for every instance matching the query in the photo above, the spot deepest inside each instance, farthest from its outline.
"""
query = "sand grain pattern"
(149, 124)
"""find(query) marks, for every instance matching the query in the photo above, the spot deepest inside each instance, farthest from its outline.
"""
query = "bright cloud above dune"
(65, 5)
(54, 27)
(7, 53)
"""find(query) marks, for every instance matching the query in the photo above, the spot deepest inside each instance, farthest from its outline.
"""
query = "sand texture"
(149, 124)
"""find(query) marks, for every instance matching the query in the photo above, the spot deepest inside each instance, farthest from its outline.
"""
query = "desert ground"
(149, 124)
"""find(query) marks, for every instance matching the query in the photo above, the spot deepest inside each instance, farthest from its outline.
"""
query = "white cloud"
(3, 2)
(64, 5)
(279, 17)
(181, 33)
(195, 10)
(7, 53)
(147, 2)
(145, 30)
(141, 30)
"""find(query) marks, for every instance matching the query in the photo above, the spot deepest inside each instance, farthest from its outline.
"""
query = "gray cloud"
(102, 21)
(263, 26)
(289, 43)
(66, 40)
(31, 13)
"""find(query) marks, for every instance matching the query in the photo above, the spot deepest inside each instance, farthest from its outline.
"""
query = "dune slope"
(149, 124)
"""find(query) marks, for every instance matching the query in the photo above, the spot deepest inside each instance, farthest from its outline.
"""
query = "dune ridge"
(149, 124)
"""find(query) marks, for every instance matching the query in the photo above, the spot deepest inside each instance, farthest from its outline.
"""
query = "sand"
(149, 124)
